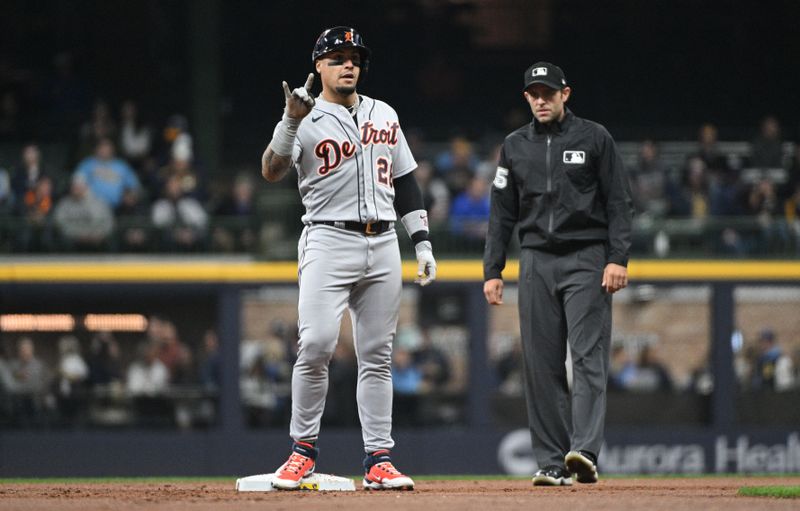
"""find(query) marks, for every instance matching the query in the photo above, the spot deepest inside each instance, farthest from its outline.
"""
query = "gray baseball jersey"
(345, 168)
(345, 171)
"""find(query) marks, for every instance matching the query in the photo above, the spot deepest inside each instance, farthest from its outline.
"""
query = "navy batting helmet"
(341, 37)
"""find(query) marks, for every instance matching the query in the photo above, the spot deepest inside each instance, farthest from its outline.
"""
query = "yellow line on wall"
(448, 270)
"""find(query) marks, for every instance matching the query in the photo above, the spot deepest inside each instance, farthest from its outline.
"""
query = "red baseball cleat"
(382, 475)
(300, 465)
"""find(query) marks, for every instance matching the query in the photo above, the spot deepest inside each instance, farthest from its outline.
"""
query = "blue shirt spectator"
(406, 377)
(469, 214)
(107, 177)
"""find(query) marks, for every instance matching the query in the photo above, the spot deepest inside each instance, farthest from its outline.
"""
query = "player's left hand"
(426, 272)
(299, 101)
(615, 277)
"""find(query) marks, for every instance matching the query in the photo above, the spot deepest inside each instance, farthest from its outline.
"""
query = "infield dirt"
(673, 494)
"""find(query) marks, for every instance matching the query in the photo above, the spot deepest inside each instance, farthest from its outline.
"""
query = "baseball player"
(354, 172)
(562, 180)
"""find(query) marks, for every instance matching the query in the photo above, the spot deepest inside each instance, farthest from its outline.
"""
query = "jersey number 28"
(384, 166)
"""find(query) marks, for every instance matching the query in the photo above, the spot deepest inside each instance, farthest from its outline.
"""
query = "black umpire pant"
(562, 303)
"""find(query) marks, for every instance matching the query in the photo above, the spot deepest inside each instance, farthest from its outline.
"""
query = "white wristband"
(415, 221)
(284, 135)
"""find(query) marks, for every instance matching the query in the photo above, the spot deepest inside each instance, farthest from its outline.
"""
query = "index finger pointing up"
(309, 82)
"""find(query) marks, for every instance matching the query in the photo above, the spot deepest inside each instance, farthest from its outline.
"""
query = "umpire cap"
(341, 37)
(547, 74)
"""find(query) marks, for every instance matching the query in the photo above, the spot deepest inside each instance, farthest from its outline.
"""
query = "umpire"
(561, 179)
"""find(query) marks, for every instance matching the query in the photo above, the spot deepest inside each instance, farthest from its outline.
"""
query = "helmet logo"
(348, 37)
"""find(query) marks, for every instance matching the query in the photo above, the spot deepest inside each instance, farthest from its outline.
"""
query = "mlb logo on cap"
(539, 71)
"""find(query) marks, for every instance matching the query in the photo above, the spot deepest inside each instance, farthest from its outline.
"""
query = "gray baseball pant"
(341, 269)
(562, 303)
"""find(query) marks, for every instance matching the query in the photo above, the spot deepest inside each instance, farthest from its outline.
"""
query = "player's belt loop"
(369, 230)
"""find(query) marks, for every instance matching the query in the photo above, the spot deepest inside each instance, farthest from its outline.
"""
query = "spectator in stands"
(174, 353)
(457, 165)
(795, 358)
(104, 360)
(407, 381)
(728, 197)
(135, 137)
(84, 222)
(6, 193)
(651, 374)
(264, 381)
(792, 207)
(236, 229)
(147, 375)
(622, 371)
(690, 197)
(175, 133)
(510, 371)
(107, 176)
(648, 181)
(744, 364)
(73, 373)
(469, 213)
(431, 362)
(716, 162)
(487, 168)
(29, 172)
(181, 219)
(773, 369)
(701, 379)
(100, 126)
(30, 381)
(36, 234)
(210, 361)
(133, 222)
(6, 381)
(768, 146)
(435, 195)
(765, 206)
(792, 184)
(180, 166)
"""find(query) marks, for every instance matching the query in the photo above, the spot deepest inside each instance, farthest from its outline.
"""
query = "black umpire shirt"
(566, 186)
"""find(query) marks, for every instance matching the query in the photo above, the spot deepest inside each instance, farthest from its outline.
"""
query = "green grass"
(781, 492)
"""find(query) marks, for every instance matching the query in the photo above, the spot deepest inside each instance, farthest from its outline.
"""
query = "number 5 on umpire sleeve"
(384, 166)
(501, 178)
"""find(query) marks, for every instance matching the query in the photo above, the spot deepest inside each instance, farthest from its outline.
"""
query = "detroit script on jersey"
(345, 171)
(331, 152)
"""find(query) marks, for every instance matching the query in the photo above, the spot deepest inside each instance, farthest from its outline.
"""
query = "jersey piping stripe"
(358, 168)
(372, 164)
(303, 253)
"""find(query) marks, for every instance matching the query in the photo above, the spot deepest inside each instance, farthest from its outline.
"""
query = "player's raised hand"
(426, 271)
(299, 102)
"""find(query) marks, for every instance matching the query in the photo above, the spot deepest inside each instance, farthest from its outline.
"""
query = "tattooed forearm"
(274, 166)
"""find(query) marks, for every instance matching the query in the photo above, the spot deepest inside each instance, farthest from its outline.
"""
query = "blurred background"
(173, 102)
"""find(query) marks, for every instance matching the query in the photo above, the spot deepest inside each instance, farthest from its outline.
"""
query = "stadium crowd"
(79, 173)
(109, 380)
(159, 379)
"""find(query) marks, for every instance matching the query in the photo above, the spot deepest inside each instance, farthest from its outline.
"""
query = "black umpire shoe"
(552, 475)
(583, 465)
